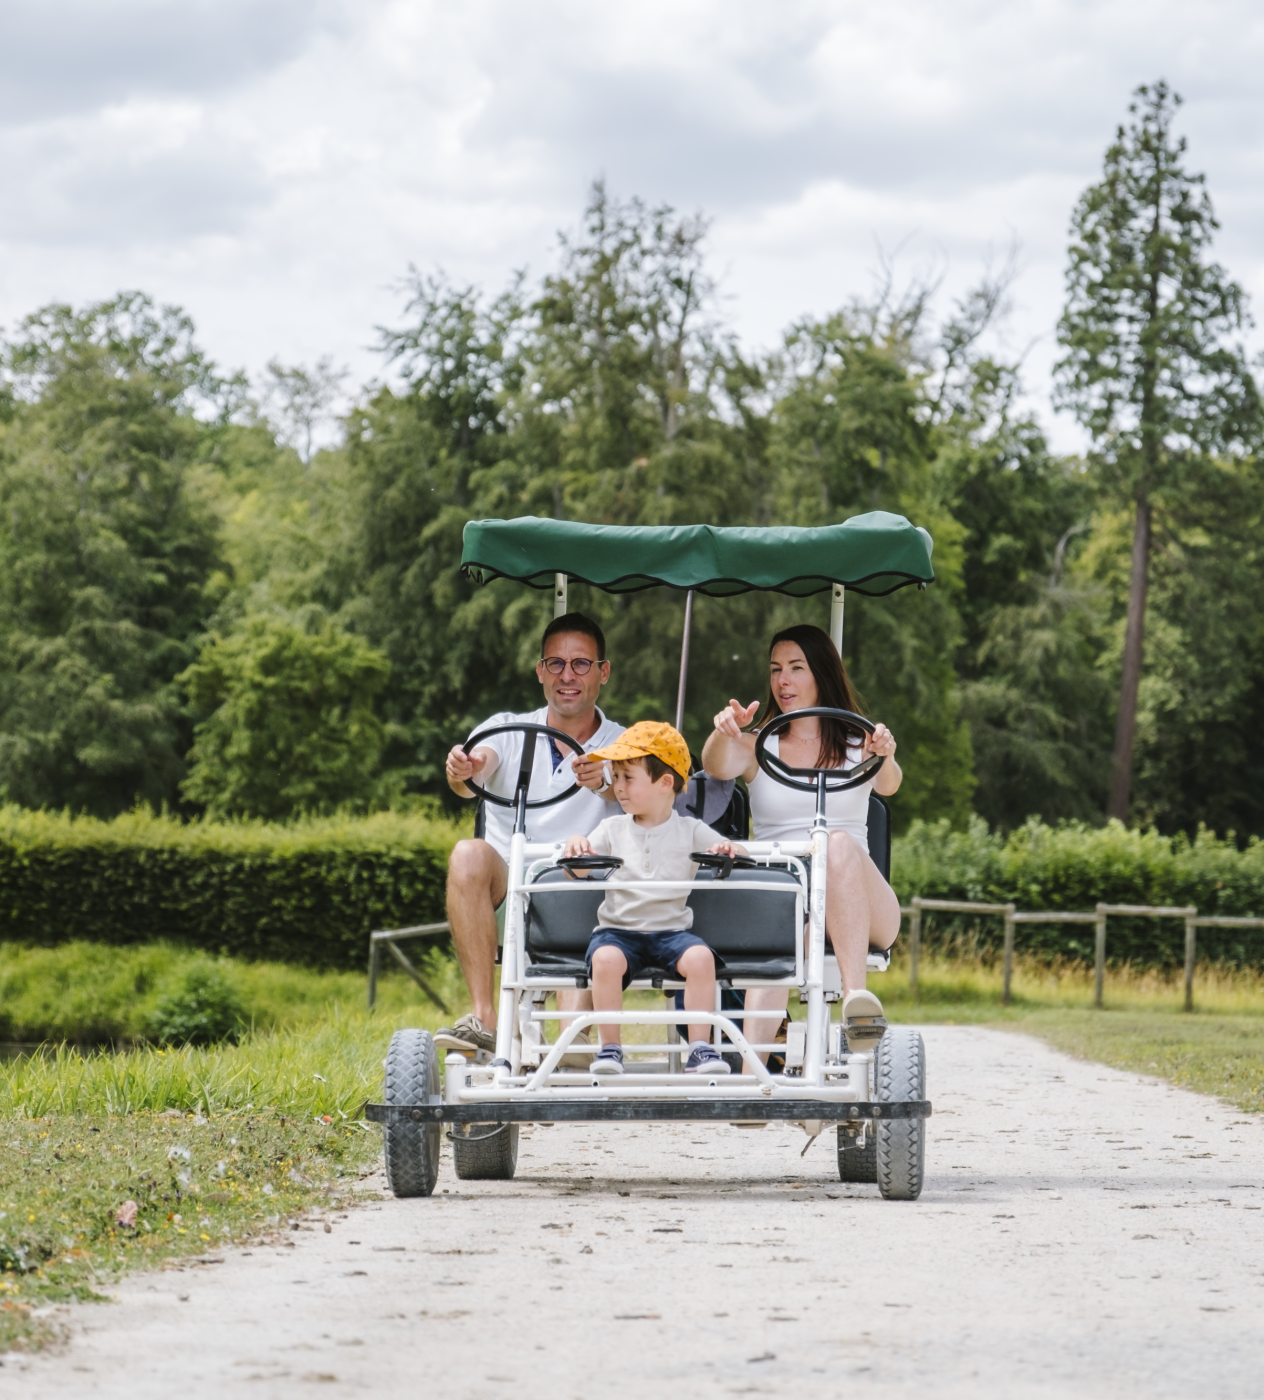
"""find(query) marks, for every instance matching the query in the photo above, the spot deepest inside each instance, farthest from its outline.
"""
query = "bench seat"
(755, 934)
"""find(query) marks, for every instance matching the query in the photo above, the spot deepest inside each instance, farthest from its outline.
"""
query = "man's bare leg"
(477, 881)
(759, 1030)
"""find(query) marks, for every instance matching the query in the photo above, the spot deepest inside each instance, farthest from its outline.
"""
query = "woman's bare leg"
(860, 908)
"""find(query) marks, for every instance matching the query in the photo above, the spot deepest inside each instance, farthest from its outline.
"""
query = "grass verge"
(223, 1144)
(214, 1146)
(1216, 1049)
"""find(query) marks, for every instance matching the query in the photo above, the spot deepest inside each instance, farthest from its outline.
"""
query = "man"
(572, 669)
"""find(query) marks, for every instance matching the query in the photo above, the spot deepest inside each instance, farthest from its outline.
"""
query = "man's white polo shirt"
(577, 816)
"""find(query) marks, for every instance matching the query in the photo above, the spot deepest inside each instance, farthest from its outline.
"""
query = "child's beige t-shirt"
(650, 853)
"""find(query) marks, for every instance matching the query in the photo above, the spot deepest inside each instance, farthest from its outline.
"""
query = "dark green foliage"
(107, 549)
(289, 720)
(1154, 366)
(156, 526)
(205, 1010)
(308, 893)
(1074, 867)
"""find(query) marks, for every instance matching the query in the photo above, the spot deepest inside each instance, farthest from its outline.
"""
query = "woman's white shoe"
(863, 1021)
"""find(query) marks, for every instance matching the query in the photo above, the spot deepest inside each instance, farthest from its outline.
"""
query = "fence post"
(375, 957)
(1191, 944)
(915, 941)
(1008, 956)
(1099, 973)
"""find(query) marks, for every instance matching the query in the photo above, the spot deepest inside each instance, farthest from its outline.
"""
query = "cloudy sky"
(274, 166)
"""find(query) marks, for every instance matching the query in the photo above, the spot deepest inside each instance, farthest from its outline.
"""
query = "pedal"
(864, 1032)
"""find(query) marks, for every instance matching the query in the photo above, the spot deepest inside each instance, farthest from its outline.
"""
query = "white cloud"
(274, 165)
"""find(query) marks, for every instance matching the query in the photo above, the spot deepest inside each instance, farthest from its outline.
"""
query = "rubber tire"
(412, 1149)
(490, 1158)
(900, 1073)
(858, 1164)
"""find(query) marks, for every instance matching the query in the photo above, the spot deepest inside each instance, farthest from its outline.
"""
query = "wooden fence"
(1101, 912)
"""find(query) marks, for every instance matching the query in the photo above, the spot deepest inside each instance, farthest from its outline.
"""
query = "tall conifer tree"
(1150, 367)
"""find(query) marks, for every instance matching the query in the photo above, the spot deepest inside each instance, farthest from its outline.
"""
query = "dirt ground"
(1083, 1232)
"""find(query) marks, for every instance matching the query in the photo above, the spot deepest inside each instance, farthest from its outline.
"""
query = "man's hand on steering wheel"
(460, 766)
(881, 742)
(589, 773)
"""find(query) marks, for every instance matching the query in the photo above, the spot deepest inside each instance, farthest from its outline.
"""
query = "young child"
(636, 931)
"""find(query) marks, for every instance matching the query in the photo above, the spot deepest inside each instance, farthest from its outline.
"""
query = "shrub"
(306, 893)
(289, 723)
(1073, 866)
(206, 1010)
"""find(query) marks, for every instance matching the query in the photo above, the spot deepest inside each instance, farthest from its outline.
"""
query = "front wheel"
(412, 1149)
(900, 1074)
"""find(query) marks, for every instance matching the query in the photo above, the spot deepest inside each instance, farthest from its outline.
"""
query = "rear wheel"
(900, 1073)
(485, 1151)
(412, 1149)
(857, 1164)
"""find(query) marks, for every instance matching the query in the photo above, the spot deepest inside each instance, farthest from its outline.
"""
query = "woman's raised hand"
(881, 741)
(735, 717)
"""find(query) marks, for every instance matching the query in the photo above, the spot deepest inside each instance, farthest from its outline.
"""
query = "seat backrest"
(561, 924)
(760, 923)
(878, 823)
(721, 803)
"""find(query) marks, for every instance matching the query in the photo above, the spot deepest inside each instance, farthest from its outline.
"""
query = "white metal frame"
(528, 1068)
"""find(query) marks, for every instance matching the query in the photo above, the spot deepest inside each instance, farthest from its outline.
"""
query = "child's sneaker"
(608, 1060)
(705, 1059)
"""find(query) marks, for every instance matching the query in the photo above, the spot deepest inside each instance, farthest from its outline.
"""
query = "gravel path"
(1083, 1232)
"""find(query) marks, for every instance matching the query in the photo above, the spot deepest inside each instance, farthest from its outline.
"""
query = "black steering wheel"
(726, 865)
(577, 864)
(817, 780)
(519, 801)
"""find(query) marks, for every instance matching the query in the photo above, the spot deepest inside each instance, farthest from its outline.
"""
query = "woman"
(861, 909)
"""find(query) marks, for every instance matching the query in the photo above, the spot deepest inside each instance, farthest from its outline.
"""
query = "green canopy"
(875, 554)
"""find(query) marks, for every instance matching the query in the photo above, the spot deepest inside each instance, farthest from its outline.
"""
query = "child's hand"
(577, 846)
(726, 848)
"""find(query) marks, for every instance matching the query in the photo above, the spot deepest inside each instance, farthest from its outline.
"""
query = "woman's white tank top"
(779, 813)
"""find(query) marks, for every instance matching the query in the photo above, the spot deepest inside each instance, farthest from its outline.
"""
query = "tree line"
(199, 610)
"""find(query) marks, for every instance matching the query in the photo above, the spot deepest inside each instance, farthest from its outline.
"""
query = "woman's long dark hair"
(833, 690)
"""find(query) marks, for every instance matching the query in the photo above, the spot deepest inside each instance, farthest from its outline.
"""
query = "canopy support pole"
(684, 660)
(836, 618)
(559, 595)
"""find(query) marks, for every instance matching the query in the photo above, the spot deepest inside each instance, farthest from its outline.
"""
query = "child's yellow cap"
(650, 736)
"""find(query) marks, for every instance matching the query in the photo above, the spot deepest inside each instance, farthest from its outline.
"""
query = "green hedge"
(305, 893)
(1073, 867)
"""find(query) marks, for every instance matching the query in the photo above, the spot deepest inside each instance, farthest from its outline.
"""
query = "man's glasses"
(555, 665)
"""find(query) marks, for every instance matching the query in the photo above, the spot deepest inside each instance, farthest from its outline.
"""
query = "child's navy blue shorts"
(644, 950)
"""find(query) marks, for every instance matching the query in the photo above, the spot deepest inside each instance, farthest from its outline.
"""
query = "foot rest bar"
(640, 1110)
